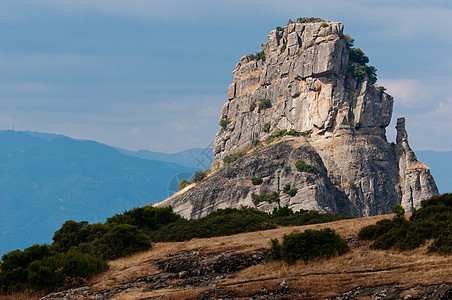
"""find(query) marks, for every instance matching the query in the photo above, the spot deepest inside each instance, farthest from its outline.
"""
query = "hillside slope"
(48, 179)
(233, 267)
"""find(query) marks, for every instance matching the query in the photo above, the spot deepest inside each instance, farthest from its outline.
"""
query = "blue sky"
(144, 74)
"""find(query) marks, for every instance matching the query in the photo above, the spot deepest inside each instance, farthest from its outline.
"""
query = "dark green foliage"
(233, 157)
(199, 175)
(183, 183)
(256, 181)
(270, 197)
(309, 20)
(292, 192)
(252, 106)
(304, 167)
(224, 123)
(51, 272)
(286, 217)
(399, 211)
(266, 127)
(349, 40)
(147, 218)
(283, 47)
(309, 245)
(122, 240)
(281, 212)
(281, 133)
(357, 56)
(254, 143)
(221, 222)
(432, 220)
(258, 56)
(279, 28)
(324, 25)
(265, 103)
(381, 88)
(359, 68)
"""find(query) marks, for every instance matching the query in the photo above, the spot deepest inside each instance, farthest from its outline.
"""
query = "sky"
(154, 74)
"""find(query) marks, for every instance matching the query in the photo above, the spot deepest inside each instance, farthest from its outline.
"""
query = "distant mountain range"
(46, 179)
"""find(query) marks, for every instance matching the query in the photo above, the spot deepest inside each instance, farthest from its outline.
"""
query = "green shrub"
(221, 222)
(200, 175)
(232, 157)
(265, 103)
(258, 56)
(279, 28)
(381, 88)
(147, 218)
(309, 245)
(292, 192)
(183, 183)
(122, 240)
(349, 40)
(256, 181)
(270, 197)
(324, 25)
(309, 20)
(357, 55)
(252, 106)
(53, 271)
(284, 46)
(432, 220)
(304, 167)
(254, 143)
(224, 123)
(266, 127)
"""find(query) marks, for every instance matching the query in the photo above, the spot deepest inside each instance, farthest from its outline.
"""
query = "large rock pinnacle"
(303, 81)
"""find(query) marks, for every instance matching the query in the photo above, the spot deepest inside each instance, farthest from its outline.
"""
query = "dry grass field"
(361, 267)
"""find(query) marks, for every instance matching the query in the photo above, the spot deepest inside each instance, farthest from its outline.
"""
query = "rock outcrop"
(339, 119)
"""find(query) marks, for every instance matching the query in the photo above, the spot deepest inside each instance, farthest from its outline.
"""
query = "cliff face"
(304, 84)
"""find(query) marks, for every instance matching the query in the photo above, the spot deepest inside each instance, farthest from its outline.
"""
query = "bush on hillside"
(233, 157)
(256, 180)
(304, 167)
(432, 220)
(308, 245)
(266, 127)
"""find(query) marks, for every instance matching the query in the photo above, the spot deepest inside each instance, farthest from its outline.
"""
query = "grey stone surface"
(343, 126)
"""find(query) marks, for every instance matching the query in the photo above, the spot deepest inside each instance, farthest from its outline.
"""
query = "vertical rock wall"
(342, 122)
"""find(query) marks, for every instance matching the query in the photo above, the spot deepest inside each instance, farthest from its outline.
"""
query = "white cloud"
(407, 92)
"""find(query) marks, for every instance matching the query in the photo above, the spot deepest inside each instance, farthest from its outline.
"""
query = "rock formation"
(306, 80)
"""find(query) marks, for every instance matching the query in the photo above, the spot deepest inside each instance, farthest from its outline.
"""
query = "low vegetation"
(266, 127)
(252, 106)
(432, 221)
(197, 177)
(358, 63)
(281, 133)
(302, 166)
(258, 56)
(290, 191)
(233, 157)
(264, 104)
(224, 123)
(256, 180)
(308, 245)
(265, 197)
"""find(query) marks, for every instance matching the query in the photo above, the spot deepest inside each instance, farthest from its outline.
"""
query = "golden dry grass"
(318, 279)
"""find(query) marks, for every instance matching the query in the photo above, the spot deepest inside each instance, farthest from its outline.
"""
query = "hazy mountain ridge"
(46, 179)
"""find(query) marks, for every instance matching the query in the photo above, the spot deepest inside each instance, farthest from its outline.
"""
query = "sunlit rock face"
(304, 84)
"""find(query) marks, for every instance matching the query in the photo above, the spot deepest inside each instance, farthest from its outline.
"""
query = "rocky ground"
(234, 267)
